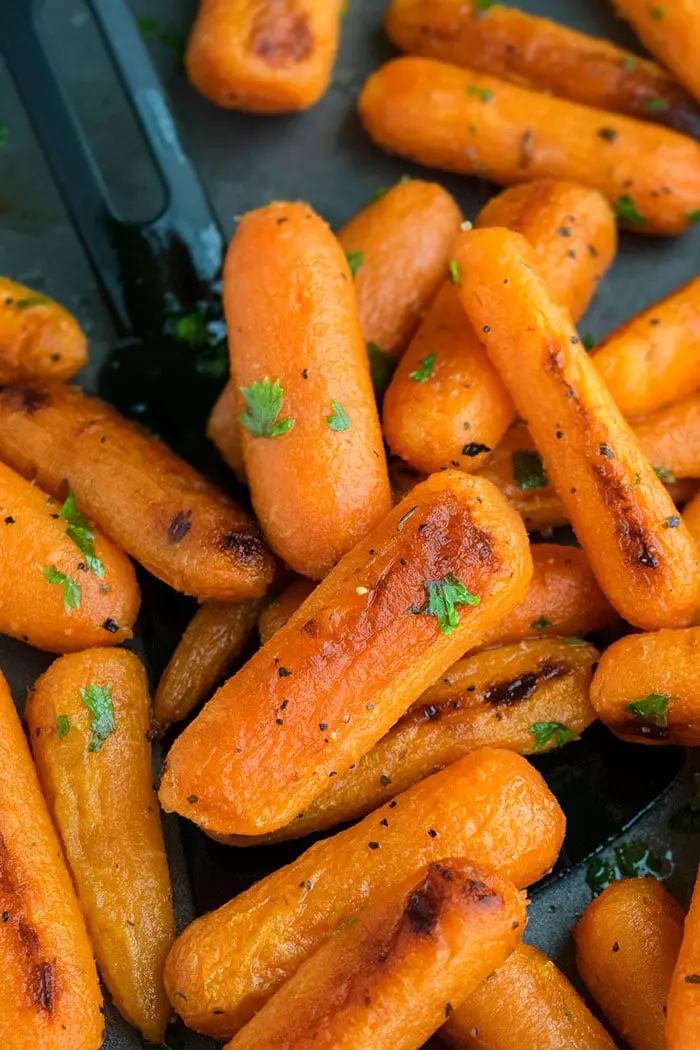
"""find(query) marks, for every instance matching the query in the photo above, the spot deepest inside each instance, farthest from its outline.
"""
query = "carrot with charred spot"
(39, 339)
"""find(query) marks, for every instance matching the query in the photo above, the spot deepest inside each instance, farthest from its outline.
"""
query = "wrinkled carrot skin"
(276, 614)
(627, 943)
(292, 316)
(224, 430)
(542, 55)
(461, 412)
(38, 338)
(666, 663)
(622, 515)
(670, 32)
(529, 1004)
(32, 537)
(654, 359)
(295, 715)
(263, 56)
(206, 653)
(491, 805)
(670, 437)
(106, 812)
(155, 506)
(404, 239)
(683, 1007)
(384, 981)
(51, 995)
(489, 699)
(424, 110)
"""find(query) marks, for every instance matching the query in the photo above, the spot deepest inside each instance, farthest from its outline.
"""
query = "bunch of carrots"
(415, 646)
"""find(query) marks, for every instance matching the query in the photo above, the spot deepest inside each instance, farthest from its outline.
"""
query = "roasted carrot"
(312, 443)
(642, 556)
(467, 122)
(88, 721)
(443, 568)
(151, 503)
(627, 943)
(654, 359)
(683, 1023)
(542, 55)
(670, 439)
(276, 613)
(206, 653)
(267, 57)
(647, 687)
(399, 250)
(62, 586)
(691, 517)
(530, 697)
(670, 32)
(224, 430)
(491, 805)
(388, 979)
(446, 404)
(529, 1004)
(51, 996)
(38, 338)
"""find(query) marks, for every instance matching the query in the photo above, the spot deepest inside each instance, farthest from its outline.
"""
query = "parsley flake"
(541, 624)
(588, 342)
(665, 475)
(484, 93)
(455, 272)
(693, 216)
(355, 261)
(571, 639)
(657, 13)
(528, 469)
(657, 105)
(98, 700)
(80, 533)
(71, 589)
(544, 731)
(338, 420)
(425, 371)
(652, 708)
(630, 860)
(483, 5)
(443, 597)
(630, 63)
(381, 369)
(263, 403)
(626, 211)
(30, 301)
(62, 726)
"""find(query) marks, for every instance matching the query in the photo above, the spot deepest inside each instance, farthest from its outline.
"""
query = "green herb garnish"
(544, 731)
(652, 708)
(381, 368)
(541, 624)
(528, 469)
(80, 533)
(571, 639)
(657, 105)
(484, 93)
(443, 597)
(425, 371)
(98, 700)
(30, 301)
(657, 13)
(693, 216)
(626, 211)
(455, 273)
(483, 5)
(338, 420)
(587, 342)
(62, 726)
(263, 403)
(665, 475)
(629, 860)
(355, 261)
(71, 589)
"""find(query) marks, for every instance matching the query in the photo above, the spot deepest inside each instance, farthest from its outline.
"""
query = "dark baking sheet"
(324, 157)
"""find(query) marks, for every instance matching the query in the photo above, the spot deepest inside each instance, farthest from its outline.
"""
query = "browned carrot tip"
(529, 1004)
(155, 506)
(463, 121)
(264, 58)
(683, 1023)
(38, 338)
(224, 430)
(490, 804)
(643, 557)
(647, 687)
(670, 32)
(51, 996)
(543, 55)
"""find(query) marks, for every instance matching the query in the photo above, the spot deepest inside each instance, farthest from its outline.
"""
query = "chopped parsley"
(657, 13)
(80, 533)
(630, 860)
(190, 328)
(381, 368)
(626, 211)
(665, 475)
(693, 216)
(443, 597)
(30, 301)
(455, 273)
(657, 105)
(541, 624)
(571, 639)
(98, 700)
(630, 63)
(425, 371)
(263, 403)
(588, 342)
(544, 731)
(652, 708)
(484, 93)
(62, 726)
(528, 469)
(338, 420)
(404, 519)
(71, 589)
(355, 261)
(483, 5)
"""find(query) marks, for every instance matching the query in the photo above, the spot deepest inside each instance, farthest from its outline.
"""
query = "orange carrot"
(683, 1023)
(691, 517)
(670, 31)
(276, 613)
(38, 338)
(224, 430)
(670, 439)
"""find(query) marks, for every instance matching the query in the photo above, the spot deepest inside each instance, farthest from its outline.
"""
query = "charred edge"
(243, 547)
(424, 905)
(24, 398)
(41, 984)
(648, 731)
(282, 39)
(517, 690)
(635, 542)
(179, 526)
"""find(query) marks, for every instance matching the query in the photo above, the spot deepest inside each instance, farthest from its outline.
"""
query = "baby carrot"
(642, 555)
(51, 996)
(670, 32)
(627, 943)
(312, 443)
(670, 439)
(529, 1004)
(443, 568)
(38, 338)
(224, 430)
(267, 58)
(542, 55)
(491, 805)
(647, 687)
(683, 1023)
(467, 122)
(280, 609)
(691, 517)
(151, 503)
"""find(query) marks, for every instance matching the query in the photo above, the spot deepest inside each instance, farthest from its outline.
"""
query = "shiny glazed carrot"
(62, 586)
(670, 32)
(542, 55)
(463, 121)
(224, 430)
(683, 1007)
(443, 568)
(670, 438)
(88, 720)
(627, 943)
(264, 56)
(312, 443)
(150, 502)
(491, 804)
(691, 517)
(206, 653)
(387, 980)
(654, 359)
(529, 1004)
(530, 698)
(51, 996)
(647, 687)
(399, 248)
(642, 555)
(38, 338)
(276, 613)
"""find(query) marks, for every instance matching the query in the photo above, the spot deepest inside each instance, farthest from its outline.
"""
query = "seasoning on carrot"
(683, 1004)
(442, 569)
(642, 556)
(467, 122)
(312, 443)
(224, 430)
(51, 995)
(38, 338)
(151, 503)
(670, 439)
(670, 32)
(491, 805)
(276, 612)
